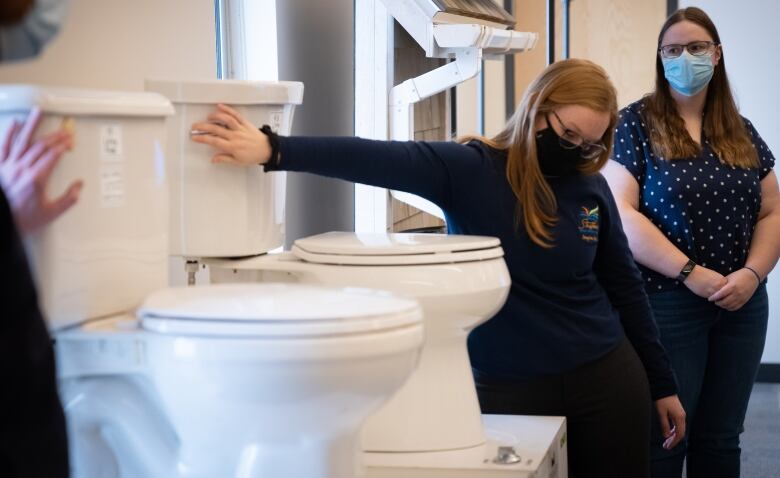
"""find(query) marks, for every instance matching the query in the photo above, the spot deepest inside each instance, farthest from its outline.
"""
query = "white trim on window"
(373, 80)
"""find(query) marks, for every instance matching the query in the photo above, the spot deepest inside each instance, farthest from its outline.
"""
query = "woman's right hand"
(704, 282)
(236, 140)
(26, 165)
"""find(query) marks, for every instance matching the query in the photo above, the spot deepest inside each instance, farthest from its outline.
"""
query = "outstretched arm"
(423, 168)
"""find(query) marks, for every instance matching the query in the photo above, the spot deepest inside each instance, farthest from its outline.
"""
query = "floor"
(761, 440)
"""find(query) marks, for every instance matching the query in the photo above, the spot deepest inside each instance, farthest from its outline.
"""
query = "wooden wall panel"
(619, 35)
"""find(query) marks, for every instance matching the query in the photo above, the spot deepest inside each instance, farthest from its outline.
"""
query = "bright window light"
(260, 33)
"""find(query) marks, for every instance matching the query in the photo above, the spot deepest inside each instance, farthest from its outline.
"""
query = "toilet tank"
(220, 210)
(105, 254)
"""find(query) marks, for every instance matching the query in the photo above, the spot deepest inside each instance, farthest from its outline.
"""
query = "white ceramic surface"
(437, 409)
(200, 405)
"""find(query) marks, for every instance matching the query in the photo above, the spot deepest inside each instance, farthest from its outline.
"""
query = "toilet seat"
(347, 248)
(275, 311)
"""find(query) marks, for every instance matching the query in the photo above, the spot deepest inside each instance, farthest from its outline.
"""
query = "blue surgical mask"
(688, 74)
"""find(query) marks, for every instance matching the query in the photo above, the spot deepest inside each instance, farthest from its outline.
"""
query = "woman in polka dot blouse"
(699, 204)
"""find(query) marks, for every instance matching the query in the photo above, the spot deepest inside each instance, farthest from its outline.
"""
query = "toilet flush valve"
(506, 456)
(191, 268)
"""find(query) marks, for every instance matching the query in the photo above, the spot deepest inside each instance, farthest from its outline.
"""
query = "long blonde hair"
(722, 126)
(567, 82)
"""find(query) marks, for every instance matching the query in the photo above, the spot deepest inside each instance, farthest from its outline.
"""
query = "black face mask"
(554, 159)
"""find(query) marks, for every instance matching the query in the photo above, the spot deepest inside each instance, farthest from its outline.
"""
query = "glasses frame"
(598, 148)
(711, 45)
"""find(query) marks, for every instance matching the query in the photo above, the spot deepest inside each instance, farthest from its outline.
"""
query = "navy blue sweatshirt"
(569, 305)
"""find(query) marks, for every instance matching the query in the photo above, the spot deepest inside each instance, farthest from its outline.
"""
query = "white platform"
(539, 442)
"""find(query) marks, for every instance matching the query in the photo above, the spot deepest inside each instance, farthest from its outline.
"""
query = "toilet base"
(539, 442)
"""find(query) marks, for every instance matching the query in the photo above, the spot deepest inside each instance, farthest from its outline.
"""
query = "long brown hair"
(722, 126)
(13, 11)
(567, 82)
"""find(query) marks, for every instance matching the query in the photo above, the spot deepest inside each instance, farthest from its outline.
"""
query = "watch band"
(273, 140)
(686, 270)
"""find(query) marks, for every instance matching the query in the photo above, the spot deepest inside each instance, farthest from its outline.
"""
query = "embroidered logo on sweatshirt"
(589, 224)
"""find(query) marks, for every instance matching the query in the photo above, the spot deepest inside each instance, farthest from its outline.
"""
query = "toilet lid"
(351, 248)
(275, 310)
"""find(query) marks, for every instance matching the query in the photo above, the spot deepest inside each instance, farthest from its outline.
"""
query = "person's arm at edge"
(618, 274)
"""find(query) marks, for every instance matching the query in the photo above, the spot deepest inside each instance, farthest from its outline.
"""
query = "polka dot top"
(704, 207)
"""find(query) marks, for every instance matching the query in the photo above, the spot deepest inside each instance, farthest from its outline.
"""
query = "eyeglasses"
(695, 48)
(570, 140)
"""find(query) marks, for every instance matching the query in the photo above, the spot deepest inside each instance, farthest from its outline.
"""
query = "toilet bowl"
(237, 380)
(460, 281)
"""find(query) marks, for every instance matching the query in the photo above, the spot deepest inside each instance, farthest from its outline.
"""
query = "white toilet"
(224, 380)
(460, 281)
(256, 380)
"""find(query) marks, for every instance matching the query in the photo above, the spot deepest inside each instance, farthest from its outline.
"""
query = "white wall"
(115, 44)
(748, 33)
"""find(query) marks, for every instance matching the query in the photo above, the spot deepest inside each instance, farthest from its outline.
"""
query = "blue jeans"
(715, 355)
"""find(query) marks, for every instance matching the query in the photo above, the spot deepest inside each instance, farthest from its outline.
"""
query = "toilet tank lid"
(75, 101)
(275, 310)
(234, 92)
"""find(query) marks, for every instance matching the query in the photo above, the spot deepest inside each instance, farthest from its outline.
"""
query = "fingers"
(235, 114)
(209, 128)
(725, 304)
(213, 141)
(43, 167)
(722, 293)
(231, 122)
(731, 304)
(64, 202)
(59, 141)
(666, 430)
(22, 140)
(672, 420)
(8, 140)
(34, 152)
(678, 418)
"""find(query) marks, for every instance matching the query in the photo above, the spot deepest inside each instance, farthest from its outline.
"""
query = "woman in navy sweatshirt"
(576, 336)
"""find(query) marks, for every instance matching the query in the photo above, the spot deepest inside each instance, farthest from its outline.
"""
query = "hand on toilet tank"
(25, 168)
(236, 140)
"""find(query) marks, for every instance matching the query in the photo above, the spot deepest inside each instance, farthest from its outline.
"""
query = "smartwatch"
(686, 271)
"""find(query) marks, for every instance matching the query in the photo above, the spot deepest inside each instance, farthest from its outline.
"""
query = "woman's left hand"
(672, 416)
(740, 287)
